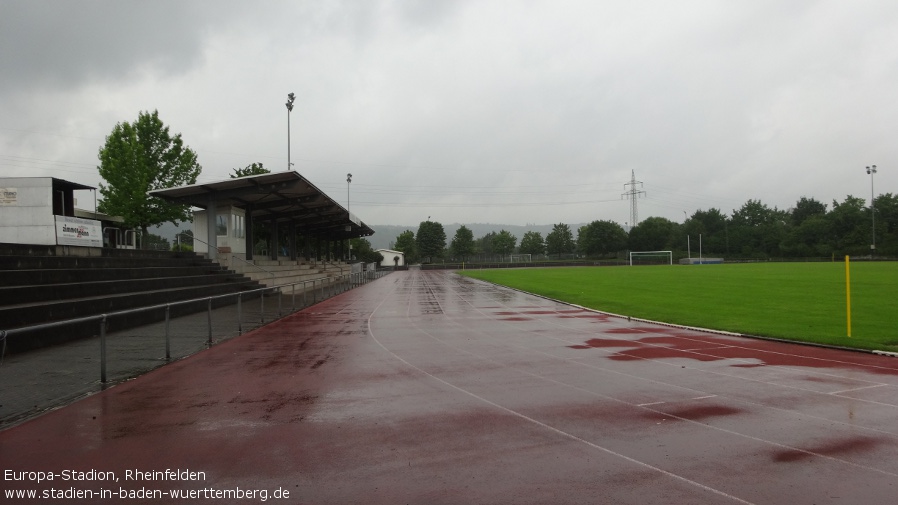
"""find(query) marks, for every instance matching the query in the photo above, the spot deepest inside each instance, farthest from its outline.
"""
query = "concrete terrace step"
(69, 251)
(81, 262)
(13, 295)
(67, 275)
(30, 314)
(15, 316)
(44, 284)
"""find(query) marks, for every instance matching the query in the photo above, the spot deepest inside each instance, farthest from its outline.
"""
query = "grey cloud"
(62, 44)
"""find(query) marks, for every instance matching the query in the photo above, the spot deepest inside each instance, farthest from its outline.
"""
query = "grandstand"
(52, 274)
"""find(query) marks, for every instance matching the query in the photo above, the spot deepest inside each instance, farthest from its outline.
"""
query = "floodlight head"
(868, 170)
(348, 177)
(874, 169)
(291, 96)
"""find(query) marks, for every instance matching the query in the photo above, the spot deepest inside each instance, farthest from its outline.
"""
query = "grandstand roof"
(281, 196)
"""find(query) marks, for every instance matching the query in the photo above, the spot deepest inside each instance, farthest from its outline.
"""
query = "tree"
(560, 240)
(363, 252)
(850, 226)
(140, 157)
(711, 225)
(156, 243)
(431, 239)
(463, 243)
(254, 169)
(886, 206)
(758, 229)
(405, 243)
(601, 238)
(504, 243)
(533, 243)
(484, 245)
(653, 234)
(810, 238)
(806, 208)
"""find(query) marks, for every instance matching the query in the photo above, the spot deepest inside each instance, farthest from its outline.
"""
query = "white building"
(41, 211)
(391, 258)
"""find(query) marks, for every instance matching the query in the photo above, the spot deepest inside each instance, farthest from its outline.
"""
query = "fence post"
(103, 349)
(240, 313)
(209, 317)
(167, 336)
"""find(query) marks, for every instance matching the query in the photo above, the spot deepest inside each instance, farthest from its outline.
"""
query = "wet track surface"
(426, 387)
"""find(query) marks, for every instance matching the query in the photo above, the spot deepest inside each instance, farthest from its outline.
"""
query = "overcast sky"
(482, 111)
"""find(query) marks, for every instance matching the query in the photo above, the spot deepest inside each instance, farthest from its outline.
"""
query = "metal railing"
(313, 290)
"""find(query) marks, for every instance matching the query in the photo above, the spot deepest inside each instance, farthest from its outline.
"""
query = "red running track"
(426, 387)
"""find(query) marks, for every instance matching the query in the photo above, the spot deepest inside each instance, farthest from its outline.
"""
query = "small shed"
(391, 258)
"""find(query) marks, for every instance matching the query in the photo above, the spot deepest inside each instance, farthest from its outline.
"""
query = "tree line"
(143, 155)
(754, 231)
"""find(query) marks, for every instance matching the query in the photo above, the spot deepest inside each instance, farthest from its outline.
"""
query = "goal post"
(519, 258)
(659, 254)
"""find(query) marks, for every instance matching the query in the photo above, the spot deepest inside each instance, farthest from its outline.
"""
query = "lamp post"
(872, 170)
(290, 98)
(348, 182)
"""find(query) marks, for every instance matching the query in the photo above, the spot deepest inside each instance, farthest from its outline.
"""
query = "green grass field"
(795, 301)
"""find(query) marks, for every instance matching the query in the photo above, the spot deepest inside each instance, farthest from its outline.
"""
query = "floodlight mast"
(348, 182)
(290, 98)
(872, 170)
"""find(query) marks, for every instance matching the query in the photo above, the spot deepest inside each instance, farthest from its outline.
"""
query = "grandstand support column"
(211, 230)
(273, 253)
(306, 247)
(292, 240)
(248, 239)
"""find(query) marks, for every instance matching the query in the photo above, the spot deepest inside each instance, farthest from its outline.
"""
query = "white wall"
(28, 220)
(237, 244)
(388, 257)
(199, 231)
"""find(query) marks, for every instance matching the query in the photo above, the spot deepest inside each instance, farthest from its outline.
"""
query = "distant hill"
(385, 234)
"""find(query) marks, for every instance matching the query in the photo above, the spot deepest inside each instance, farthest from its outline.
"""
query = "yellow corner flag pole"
(848, 292)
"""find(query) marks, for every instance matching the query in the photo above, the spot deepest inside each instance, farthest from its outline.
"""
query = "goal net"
(519, 258)
(651, 258)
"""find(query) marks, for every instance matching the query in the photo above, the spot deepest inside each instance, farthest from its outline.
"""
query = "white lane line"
(857, 389)
(705, 397)
(552, 428)
(707, 370)
(649, 404)
(762, 440)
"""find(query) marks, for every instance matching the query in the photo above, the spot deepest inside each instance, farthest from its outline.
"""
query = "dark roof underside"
(282, 197)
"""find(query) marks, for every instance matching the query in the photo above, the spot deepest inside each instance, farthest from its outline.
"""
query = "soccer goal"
(651, 257)
(519, 258)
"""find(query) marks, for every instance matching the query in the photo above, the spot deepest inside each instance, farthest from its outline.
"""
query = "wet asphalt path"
(425, 387)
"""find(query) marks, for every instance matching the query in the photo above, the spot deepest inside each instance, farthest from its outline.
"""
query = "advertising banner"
(77, 231)
(9, 196)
